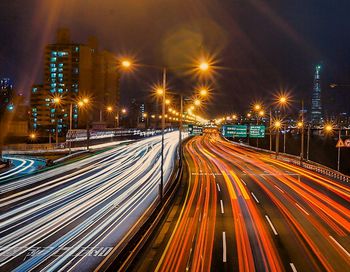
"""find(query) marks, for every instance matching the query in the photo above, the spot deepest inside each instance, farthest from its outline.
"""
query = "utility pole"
(302, 134)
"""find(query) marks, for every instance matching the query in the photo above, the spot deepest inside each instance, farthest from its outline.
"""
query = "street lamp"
(32, 136)
(197, 102)
(203, 66)
(83, 103)
(277, 126)
(56, 101)
(203, 92)
(329, 129)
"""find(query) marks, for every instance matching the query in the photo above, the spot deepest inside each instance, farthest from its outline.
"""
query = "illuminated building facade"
(316, 106)
(73, 71)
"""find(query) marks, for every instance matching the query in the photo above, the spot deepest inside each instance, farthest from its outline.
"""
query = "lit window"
(53, 59)
(54, 53)
(60, 65)
(53, 90)
(53, 85)
(52, 65)
(60, 75)
(53, 69)
(62, 54)
(76, 49)
(53, 74)
(60, 90)
(34, 90)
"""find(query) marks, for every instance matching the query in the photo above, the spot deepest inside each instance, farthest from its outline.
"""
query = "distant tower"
(316, 108)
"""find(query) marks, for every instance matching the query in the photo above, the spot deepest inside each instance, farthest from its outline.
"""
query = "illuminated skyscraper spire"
(316, 107)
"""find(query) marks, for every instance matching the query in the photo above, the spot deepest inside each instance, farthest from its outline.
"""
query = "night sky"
(260, 46)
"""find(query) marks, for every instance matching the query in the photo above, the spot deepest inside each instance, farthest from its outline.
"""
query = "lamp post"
(56, 101)
(203, 67)
(83, 103)
(338, 162)
(277, 127)
(301, 125)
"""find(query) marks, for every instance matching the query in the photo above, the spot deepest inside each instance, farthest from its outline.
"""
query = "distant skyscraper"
(316, 106)
(71, 71)
(6, 93)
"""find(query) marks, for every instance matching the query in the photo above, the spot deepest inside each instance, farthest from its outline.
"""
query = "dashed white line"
(301, 208)
(244, 182)
(257, 201)
(293, 267)
(222, 206)
(217, 184)
(340, 246)
(224, 247)
(279, 188)
(271, 225)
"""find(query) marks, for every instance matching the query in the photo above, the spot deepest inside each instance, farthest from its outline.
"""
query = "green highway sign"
(257, 132)
(239, 131)
(195, 130)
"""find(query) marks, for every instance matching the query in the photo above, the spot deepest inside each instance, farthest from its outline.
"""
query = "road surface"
(69, 218)
(20, 166)
(245, 211)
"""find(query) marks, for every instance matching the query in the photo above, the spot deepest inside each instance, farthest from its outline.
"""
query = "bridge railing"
(311, 165)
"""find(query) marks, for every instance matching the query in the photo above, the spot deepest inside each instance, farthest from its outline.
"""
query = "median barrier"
(311, 165)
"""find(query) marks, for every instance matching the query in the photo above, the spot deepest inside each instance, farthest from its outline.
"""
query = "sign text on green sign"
(257, 131)
(239, 131)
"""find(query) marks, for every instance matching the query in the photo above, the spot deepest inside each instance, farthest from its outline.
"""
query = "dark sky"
(260, 46)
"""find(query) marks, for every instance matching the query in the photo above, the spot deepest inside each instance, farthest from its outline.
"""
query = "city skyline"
(280, 33)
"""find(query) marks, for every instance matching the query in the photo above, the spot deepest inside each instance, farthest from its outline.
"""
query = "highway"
(245, 211)
(21, 166)
(71, 217)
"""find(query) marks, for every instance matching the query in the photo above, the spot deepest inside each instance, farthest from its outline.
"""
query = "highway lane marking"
(224, 247)
(271, 225)
(244, 182)
(217, 184)
(301, 208)
(340, 246)
(293, 267)
(279, 189)
(257, 201)
(222, 206)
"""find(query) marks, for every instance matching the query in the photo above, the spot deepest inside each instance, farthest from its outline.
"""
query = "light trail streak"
(306, 208)
(93, 202)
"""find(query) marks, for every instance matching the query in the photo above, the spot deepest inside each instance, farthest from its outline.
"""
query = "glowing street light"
(56, 100)
(300, 124)
(257, 107)
(159, 91)
(328, 128)
(261, 113)
(197, 102)
(277, 124)
(126, 63)
(32, 136)
(203, 92)
(123, 110)
(283, 100)
(204, 66)
(167, 101)
(109, 108)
